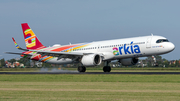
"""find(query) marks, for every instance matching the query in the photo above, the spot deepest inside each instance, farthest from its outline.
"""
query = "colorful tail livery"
(30, 38)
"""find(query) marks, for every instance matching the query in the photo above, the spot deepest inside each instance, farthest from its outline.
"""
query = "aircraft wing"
(60, 53)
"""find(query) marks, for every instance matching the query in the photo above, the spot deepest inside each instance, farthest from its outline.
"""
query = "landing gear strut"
(106, 68)
(81, 69)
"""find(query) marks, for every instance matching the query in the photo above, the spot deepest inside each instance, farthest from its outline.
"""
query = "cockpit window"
(162, 40)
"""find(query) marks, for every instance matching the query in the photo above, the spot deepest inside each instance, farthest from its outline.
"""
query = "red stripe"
(63, 48)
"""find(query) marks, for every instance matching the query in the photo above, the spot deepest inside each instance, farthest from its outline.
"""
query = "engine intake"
(91, 60)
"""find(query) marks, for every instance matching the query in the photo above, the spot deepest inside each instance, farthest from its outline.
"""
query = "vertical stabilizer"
(30, 38)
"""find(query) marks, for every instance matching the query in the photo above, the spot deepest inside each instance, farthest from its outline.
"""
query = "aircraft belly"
(60, 61)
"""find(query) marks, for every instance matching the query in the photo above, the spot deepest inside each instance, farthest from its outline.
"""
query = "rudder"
(30, 38)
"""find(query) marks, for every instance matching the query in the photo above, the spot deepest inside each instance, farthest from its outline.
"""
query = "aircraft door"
(98, 48)
(148, 42)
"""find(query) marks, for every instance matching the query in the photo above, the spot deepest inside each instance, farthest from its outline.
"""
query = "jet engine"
(91, 60)
(129, 61)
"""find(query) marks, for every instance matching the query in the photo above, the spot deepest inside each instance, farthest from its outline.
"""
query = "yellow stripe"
(47, 58)
(31, 45)
(78, 47)
(29, 32)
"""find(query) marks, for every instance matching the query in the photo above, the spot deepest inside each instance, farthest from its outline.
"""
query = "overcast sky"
(75, 21)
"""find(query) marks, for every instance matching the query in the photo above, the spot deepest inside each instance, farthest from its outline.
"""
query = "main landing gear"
(81, 68)
(106, 68)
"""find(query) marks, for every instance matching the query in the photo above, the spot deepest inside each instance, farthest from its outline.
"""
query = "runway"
(144, 73)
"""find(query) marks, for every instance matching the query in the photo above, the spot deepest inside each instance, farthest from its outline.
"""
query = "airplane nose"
(171, 46)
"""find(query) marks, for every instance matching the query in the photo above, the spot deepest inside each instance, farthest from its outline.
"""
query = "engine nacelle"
(91, 60)
(129, 61)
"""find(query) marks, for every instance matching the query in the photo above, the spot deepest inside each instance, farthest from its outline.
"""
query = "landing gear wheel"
(106, 68)
(81, 69)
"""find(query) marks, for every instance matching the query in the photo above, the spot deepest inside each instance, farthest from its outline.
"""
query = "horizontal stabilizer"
(17, 53)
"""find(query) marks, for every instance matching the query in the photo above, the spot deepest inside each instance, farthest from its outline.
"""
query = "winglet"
(17, 46)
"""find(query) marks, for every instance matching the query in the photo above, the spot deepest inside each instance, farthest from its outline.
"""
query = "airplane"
(126, 51)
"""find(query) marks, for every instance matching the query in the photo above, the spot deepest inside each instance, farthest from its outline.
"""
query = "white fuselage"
(122, 48)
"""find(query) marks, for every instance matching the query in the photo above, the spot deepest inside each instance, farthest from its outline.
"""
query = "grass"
(97, 69)
(89, 87)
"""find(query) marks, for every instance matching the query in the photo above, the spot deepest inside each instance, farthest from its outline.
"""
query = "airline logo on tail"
(30, 38)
